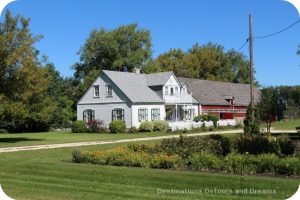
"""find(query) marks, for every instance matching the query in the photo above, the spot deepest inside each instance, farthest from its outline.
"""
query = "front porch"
(180, 112)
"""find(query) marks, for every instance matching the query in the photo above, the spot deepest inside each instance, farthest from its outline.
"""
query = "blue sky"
(65, 24)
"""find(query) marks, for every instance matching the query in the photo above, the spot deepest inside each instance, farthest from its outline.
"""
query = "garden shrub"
(186, 146)
(257, 145)
(159, 125)
(287, 146)
(266, 163)
(79, 127)
(287, 166)
(205, 161)
(240, 163)
(3, 131)
(146, 126)
(207, 118)
(77, 156)
(224, 141)
(132, 129)
(96, 126)
(198, 118)
(136, 155)
(117, 126)
(163, 161)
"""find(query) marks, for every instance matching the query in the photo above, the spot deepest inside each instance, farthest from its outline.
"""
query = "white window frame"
(166, 90)
(88, 115)
(96, 93)
(176, 90)
(155, 115)
(107, 94)
(118, 114)
(143, 114)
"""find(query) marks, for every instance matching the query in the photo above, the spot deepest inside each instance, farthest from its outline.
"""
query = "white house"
(135, 97)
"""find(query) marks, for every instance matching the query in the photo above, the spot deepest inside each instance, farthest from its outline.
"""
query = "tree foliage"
(271, 106)
(27, 91)
(251, 122)
(126, 46)
(208, 62)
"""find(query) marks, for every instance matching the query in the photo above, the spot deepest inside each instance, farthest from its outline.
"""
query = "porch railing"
(178, 98)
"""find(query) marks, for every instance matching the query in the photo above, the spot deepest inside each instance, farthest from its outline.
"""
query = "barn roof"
(218, 93)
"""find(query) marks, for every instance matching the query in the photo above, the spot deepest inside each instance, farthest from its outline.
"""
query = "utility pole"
(251, 63)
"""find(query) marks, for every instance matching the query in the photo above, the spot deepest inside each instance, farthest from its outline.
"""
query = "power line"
(247, 40)
(270, 35)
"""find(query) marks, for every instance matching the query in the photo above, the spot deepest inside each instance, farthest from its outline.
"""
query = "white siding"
(135, 108)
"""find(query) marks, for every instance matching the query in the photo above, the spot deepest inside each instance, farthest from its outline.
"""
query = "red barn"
(226, 100)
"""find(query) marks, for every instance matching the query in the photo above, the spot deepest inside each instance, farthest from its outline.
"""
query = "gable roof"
(160, 78)
(216, 93)
(134, 86)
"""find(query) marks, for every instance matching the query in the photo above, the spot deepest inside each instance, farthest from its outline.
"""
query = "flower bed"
(268, 155)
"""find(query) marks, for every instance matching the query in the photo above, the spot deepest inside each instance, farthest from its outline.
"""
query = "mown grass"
(25, 139)
(50, 174)
(285, 124)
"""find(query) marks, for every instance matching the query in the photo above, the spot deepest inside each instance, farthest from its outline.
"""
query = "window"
(143, 114)
(96, 91)
(166, 90)
(155, 114)
(176, 90)
(108, 91)
(172, 91)
(88, 115)
(189, 114)
(118, 114)
(183, 90)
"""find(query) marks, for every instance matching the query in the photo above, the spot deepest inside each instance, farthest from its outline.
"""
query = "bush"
(186, 146)
(77, 156)
(160, 125)
(205, 162)
(207, 118)
(96, 126)
(3, 131)
(79, 127)
(132, 129)
(198, 118)
(240, 164)
(117, 126)
(257, 145)
(224, 141)
(146, 126)
(287, 146)
(162, 161)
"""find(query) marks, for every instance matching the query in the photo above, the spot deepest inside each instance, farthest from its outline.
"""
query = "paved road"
(79, 144)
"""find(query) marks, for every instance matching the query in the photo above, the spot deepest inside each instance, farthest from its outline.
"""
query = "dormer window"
(166, 90)
(109, 91)
(176, 90)
(96, 91)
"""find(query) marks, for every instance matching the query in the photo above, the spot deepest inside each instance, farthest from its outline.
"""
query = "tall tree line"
(34, 96)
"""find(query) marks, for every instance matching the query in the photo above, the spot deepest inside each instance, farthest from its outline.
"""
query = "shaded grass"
(50, 174)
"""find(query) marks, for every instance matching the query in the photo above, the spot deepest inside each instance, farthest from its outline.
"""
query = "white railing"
(178, 98)
(225, 110)
(227, 122)
(180, 125)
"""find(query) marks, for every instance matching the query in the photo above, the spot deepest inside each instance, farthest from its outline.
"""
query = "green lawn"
(24, 139)
(49, 174)
(285, 124)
